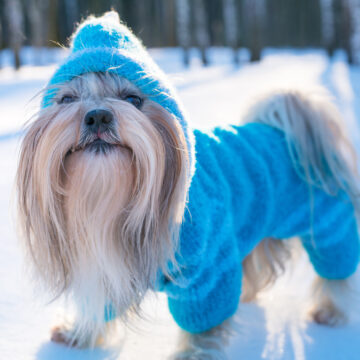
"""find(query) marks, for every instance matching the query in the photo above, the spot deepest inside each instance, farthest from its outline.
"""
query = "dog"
(114, 201)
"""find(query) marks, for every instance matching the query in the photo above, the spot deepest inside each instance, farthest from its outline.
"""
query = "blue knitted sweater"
(245, 188)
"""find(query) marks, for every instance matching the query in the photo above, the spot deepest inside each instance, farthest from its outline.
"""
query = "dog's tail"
(322, 155)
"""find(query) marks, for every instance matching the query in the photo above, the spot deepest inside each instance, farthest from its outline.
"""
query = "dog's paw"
(67, 336)
(63, 335)
(328, 315)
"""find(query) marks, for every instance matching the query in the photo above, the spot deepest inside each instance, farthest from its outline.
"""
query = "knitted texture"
(105, 45)
(244, 189)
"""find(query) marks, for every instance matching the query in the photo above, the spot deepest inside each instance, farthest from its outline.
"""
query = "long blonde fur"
(99, 226)
(317, 142)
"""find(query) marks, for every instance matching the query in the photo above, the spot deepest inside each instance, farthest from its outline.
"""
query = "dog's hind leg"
(324, 157)
(331, 292)
(263, 265)
(209, 345)
(330, 300)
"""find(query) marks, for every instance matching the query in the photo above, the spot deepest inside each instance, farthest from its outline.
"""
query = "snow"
(273, 328)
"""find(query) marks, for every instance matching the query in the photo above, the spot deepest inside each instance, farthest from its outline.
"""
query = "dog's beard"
(100, 218)
(96, 207)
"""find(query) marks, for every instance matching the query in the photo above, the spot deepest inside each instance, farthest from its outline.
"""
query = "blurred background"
(251, 24)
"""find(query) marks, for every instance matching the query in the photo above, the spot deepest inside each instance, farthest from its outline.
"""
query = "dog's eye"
(134, 100)
(67, 99)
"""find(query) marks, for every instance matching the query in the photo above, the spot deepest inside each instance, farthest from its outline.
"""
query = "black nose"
(98, 120)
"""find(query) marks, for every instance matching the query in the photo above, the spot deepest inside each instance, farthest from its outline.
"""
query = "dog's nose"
(98, 120)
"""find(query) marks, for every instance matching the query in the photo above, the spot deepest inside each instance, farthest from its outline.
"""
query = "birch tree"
(15, 25)
(231, 27)
(183, 27)
(201, 29)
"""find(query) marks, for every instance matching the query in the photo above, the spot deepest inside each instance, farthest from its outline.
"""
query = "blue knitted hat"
(105, 45)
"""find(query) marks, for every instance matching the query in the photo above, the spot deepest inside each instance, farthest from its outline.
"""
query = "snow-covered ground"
(273, 328)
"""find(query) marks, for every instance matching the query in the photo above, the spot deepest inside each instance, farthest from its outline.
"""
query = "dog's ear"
(174, 185)
(39, 191)
(172, 191)
(160, 187)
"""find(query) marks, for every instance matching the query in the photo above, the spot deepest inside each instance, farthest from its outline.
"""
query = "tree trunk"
(167, 25)
(1, 44)
(38, 14)
(328, 25)
(201, 29)
(254, 12)
(72, 11)
(231, 27)
(353, 11)
(15, 23)
(183, 28)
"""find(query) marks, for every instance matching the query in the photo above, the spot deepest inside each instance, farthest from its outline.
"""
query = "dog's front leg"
(209, 345)
(65, 334)
(68, 334)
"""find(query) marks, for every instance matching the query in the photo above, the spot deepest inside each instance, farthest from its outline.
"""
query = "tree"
(353, 10)
(201, 29)
(231, 27)
(254, 10)
(167, 23)
(1, 43)
(71, 10)
(328, 25)
(183, 27)
(15, 24)
(38, 15)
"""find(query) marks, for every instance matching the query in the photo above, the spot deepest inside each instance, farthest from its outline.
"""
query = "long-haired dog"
(105, 175)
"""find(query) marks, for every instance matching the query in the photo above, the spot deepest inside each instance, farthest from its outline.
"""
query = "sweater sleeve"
(196, 313)
(206, 289)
